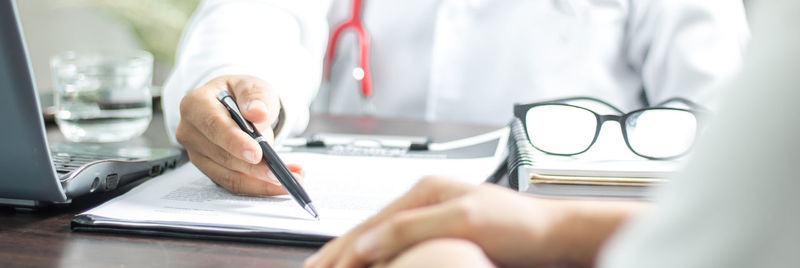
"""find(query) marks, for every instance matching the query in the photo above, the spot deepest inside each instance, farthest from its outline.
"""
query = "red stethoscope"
(362, 72)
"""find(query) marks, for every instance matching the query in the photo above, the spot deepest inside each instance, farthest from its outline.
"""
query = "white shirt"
(464, 61)
(738, 202)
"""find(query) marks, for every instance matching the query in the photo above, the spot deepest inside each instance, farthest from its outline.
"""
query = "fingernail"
(367, 245)
(249, 156)
(256, 104)
(311, 261)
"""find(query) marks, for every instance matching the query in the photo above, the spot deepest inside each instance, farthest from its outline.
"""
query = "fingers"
(207, 117)
(429, 191)
(257, 101)
(201, 145)
(442, 252)
(404, 230)
(222, 159)
(233, 181)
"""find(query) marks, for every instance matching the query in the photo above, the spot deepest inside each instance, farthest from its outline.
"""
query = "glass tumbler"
(102, 97)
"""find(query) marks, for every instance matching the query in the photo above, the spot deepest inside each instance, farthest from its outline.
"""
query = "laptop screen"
(25, 158)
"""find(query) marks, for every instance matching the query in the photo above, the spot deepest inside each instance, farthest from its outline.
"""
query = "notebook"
(36, 173)
(608, 169)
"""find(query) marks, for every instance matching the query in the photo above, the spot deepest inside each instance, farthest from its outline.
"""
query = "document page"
(346, 190)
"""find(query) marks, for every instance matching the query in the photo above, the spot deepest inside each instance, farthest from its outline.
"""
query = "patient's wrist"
(581, 227)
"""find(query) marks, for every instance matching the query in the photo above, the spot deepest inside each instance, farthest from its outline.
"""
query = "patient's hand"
(512, 229)
(218, 147)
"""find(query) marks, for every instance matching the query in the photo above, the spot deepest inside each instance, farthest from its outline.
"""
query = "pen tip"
(311, 210)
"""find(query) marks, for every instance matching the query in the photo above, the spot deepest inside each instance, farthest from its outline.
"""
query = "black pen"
(270, 156)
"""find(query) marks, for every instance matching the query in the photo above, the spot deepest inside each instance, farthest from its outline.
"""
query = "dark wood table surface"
(43, 238)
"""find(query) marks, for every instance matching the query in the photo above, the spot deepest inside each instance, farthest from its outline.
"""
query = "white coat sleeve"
(282, 42)
(736, 205)
(684, 48)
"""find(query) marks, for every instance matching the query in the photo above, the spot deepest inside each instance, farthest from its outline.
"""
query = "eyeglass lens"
(561, 129)
(661, 133)
(567, 130)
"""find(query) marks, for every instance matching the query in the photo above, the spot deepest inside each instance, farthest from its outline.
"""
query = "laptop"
(36, 173)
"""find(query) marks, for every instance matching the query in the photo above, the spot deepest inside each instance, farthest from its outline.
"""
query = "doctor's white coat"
(465, 60)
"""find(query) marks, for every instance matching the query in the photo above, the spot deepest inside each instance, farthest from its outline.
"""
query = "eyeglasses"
(562, 127)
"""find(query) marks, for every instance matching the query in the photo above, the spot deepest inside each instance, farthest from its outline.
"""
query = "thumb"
(258, 101)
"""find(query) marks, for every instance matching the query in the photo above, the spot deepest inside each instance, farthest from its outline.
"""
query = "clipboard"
(394, 146)
(357, 144)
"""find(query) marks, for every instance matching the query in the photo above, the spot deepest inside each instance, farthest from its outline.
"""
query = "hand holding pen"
(270, 157)
(218, 147)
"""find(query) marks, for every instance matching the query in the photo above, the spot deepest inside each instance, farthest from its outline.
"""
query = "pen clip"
(236, 114)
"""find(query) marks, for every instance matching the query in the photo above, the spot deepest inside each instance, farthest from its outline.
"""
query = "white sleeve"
(282, 42)
(684, 48)
(736, 205)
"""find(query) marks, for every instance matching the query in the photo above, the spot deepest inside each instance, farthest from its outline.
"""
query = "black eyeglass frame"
(521, 110)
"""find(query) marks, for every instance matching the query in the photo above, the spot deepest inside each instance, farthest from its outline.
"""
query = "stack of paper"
(346, 189)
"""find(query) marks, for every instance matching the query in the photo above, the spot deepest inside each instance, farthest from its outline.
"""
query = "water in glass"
(102, 98)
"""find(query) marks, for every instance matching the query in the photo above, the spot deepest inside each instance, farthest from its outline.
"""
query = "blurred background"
(55, 26)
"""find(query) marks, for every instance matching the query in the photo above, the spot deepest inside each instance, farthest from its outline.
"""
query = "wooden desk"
(43, 238)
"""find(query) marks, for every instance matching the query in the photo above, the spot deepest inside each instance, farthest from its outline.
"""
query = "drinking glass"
(102, 97)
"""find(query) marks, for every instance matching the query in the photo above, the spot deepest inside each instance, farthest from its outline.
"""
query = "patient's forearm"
(582, 227)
